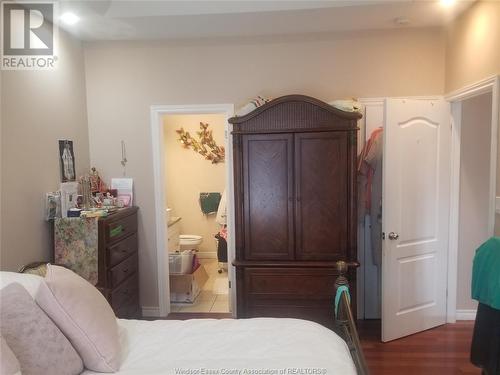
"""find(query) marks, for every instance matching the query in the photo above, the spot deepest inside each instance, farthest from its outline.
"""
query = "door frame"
(455, 98)
(158, 149)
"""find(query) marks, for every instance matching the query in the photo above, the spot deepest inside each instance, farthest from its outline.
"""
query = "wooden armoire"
(295, 207)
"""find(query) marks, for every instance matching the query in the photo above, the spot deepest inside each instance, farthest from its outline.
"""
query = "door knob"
(393, 236)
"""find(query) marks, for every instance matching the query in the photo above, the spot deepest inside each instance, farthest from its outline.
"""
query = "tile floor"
(213, 298)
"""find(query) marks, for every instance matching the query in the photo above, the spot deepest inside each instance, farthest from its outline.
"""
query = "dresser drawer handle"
(113, 232)
(124, 250)
(125, 270)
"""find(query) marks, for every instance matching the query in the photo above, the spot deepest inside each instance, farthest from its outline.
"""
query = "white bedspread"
(245, 346)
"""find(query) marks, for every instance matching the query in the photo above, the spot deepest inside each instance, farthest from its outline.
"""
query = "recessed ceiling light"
(69, 18)
(447, 3)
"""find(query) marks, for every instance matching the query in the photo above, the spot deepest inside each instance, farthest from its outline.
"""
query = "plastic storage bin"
(180, 264)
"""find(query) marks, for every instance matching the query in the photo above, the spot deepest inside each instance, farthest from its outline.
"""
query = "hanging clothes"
(221, 217)
(485, 273)
(370, 173)
(221, 248)
(485, 288)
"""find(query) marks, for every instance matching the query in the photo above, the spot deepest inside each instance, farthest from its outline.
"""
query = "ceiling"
(172, 20)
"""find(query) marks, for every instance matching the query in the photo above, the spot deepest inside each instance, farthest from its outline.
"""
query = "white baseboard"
(206, 254)
(151, 312)
(466, 314)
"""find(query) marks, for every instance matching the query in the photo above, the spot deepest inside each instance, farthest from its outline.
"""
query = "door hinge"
(229, 282)
(383, 235)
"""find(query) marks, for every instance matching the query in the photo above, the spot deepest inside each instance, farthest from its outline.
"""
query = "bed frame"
(345, 326)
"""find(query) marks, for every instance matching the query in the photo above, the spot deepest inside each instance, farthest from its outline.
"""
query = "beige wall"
(472, 45)
(37, 109)
(472, 54)
(474, 190)
(124, 79)
(188, 173)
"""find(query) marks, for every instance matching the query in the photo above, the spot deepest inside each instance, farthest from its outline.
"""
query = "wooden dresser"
(295, 195)
(117, 260)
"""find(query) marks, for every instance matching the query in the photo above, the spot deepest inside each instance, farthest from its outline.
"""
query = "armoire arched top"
(295, 113)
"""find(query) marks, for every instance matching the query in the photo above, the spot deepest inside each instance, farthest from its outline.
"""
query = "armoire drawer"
(121, 250)
(290, 283)
(120, 228)
(303, 293)
(123, 270)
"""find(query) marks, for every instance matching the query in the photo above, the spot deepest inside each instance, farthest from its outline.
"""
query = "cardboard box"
(185, 288)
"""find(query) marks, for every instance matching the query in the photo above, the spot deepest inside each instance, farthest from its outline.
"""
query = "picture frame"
(67, 161)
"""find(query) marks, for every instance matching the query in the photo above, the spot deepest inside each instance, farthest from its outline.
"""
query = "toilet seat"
(190, 239)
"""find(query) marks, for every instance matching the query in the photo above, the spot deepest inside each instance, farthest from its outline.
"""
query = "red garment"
(364, 166)
(223, 232)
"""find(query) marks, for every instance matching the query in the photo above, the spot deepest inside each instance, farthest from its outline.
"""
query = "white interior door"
(416, 185)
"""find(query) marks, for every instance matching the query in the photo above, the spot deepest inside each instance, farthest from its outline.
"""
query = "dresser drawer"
(116, 230)
(129, 311)
(121, 250)
(127, 294)
(123, 270)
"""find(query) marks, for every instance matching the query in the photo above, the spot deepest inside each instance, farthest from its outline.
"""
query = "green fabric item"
(340, 289)
(486, 273)
(209, 202)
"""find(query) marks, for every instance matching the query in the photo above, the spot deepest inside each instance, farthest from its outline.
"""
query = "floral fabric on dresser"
(76, 246)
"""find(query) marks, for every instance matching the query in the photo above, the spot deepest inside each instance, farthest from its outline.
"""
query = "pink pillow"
(9, 365)
(37, 343)
(82, 313)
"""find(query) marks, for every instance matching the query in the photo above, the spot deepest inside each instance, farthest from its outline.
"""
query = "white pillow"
(255, 103)
(28, 281)
(82, 313)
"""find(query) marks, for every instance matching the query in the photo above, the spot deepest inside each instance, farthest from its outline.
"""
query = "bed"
(224, 346)
(239, 346)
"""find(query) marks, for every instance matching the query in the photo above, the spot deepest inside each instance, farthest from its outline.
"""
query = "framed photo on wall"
(67, 161)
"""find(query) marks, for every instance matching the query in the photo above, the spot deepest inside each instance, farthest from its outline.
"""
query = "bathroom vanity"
(173, 233)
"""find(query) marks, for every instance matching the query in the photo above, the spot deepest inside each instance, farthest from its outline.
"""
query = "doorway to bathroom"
(193, 191)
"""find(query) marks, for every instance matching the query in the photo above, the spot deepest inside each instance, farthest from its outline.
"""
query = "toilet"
(189, 241)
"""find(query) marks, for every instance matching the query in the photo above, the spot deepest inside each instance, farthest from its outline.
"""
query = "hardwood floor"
(440, 351)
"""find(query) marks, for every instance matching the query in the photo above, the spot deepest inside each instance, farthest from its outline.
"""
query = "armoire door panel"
(321, 184)
(268, 196)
